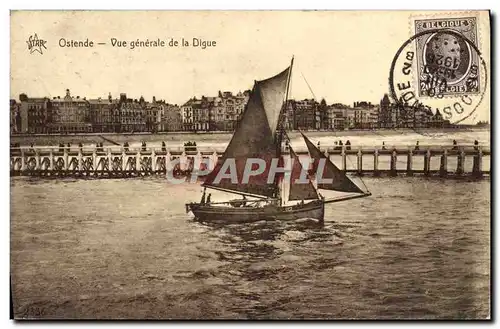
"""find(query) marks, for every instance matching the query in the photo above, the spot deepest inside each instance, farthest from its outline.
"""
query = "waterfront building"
(241, 100)
(152, 116)
(170, 117)
(322, 115)
(437, 121)
(187, 115)
(336, 117)
(392, 115)
(15, 117)
(366, 115)
(419, 118)
(35, 114)
(231, 116)
(306, 114)
(218, 113)
(102, 113)
(387, 113)
(221, 112)
(200, 115)
(349, 118)
(131, 114)
(70, 115)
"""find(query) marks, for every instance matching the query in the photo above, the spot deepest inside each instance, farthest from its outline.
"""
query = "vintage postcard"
(250, 165)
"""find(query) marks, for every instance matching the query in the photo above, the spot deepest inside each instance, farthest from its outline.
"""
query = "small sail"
(272, 95)
(254, 138)
(340, 182)
(300, 191)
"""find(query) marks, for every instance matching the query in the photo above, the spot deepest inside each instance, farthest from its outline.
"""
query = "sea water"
(417, 248)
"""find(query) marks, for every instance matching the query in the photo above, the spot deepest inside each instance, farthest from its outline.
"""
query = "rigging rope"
(314, 97)
(310, 89)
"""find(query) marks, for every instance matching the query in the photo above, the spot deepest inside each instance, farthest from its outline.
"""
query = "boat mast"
(281, 130)
(288, 82)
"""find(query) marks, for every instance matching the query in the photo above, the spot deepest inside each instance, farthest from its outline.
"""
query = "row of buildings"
(214, 113)
(70, 114)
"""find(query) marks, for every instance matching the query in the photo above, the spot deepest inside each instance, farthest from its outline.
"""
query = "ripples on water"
(418, 248)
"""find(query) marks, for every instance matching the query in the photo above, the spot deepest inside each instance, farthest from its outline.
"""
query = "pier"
(120, 162)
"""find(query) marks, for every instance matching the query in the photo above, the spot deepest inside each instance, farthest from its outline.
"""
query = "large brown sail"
(300, 191)
(254, 138)
(340, 181)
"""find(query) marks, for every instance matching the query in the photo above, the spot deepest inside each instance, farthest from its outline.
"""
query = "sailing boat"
(259, 135)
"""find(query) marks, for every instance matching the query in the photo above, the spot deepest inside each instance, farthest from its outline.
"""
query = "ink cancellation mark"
(446, 58)
(445, 70)
(36, 44)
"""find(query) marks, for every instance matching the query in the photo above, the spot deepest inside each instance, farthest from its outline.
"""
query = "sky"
(344, 56)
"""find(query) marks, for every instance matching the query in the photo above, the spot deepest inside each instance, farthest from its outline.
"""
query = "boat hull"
(209, 213)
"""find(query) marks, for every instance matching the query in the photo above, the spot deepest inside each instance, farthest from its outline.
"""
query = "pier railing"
(116, 161)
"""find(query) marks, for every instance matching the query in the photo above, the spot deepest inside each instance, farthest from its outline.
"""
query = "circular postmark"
(438, 74)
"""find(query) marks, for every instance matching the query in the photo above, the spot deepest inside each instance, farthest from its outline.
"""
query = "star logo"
(35, 44)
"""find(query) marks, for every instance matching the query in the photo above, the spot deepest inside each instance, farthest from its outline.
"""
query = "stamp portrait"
(446, 58)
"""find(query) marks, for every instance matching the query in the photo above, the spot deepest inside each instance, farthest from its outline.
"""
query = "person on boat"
(144, 146)
(209, 198)
(163, 146)
(476, 145)
(203, 197)
(125, 146)
(348, 145)
(336, 145)
(80, 146)
(455, 145)
(417, 147)
(301, 202)
(341, 145)
(383, 145)
(61, 147)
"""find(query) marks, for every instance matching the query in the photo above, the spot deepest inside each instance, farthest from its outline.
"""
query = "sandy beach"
(220, 139)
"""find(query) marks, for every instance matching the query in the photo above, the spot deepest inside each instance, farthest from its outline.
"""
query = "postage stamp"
(441, 67)
(446, 57)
